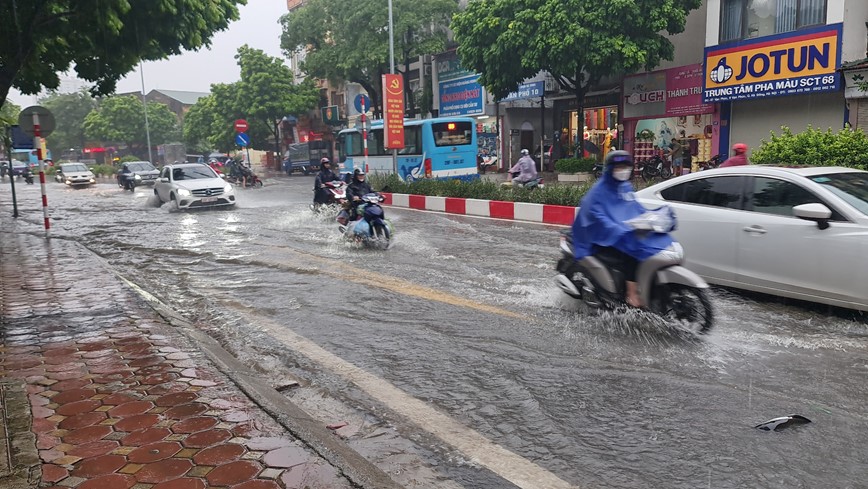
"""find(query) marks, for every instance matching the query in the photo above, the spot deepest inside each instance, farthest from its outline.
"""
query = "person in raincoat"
(601, 222)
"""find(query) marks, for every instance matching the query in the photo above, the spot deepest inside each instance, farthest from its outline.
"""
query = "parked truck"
(305, 157)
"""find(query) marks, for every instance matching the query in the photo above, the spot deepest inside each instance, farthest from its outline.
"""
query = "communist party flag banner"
(393, 110)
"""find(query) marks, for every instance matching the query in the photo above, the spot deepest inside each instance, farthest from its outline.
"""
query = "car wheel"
(174, 202)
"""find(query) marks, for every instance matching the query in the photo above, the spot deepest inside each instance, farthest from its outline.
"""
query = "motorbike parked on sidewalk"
(656, 166)
(713, 162)
(370, 226)
(337, 195)
(671, 291)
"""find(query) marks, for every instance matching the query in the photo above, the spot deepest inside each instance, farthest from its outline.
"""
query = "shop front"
(665, 107)
(597, 125)
(787, 79)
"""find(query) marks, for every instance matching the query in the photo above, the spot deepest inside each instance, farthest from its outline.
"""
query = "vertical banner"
(393, 111)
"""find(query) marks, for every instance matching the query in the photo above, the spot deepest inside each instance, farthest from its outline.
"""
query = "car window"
(775, 196)
(193, 173)
(852, 188)
(165, 173)
(73, 168)
(714, 191)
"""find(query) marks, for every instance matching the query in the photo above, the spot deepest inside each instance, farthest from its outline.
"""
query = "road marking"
(512, 467)
(361, 276)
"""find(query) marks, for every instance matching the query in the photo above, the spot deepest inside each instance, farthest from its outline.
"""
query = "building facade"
(774, 63)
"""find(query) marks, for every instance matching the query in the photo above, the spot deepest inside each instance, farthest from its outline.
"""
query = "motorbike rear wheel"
(685, 306)
(380, 237)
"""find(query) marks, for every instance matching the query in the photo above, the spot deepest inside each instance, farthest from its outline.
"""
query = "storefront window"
(597, 128)
(747, 19)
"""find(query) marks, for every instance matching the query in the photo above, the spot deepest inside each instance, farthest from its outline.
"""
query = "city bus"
(443, 147)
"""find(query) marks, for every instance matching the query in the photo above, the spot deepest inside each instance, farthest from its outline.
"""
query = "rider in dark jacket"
(321, 194)
(357, 188)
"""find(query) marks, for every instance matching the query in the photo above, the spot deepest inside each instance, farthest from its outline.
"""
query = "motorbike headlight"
(227, 188)
(183, 192)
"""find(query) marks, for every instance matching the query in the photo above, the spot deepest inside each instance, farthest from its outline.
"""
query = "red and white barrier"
(518, 211)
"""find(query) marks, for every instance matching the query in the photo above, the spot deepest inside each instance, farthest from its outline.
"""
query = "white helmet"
(525, 152)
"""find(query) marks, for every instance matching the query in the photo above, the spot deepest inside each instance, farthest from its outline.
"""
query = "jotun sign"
(790, 64)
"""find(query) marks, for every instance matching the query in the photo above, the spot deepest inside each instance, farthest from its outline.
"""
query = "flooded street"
(455, 343)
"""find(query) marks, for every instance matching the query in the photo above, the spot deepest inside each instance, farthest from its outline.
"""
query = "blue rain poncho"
(601, 221)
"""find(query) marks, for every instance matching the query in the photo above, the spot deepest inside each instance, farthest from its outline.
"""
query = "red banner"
(393, 111)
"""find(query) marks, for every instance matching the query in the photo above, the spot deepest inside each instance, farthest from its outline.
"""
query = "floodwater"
(462, 314)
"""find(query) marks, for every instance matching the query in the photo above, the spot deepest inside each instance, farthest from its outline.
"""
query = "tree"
(8, 117)
(104, 39)
(69, 110)
(264, 95)
(579, 42)
(351, 43)
(120, 119)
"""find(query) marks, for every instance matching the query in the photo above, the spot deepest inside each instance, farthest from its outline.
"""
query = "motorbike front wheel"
(685, 306)
(380, 236)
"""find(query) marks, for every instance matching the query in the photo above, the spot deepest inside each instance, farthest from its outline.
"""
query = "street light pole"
(392, 71)
(145, 107)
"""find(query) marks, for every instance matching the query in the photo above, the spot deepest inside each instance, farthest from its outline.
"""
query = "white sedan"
(792, 232)
(193, 185)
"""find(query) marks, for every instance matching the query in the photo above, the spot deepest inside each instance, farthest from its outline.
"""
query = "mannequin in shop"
(607, 142)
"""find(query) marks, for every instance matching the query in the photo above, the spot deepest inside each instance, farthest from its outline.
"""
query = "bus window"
(376, 145)
(352, 145)
(412, 141)
(455, 133)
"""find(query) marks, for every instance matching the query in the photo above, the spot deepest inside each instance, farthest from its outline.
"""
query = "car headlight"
(227, 188)
(183, 192)
(138, 177)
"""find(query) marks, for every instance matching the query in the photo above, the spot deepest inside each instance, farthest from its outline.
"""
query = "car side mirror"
(818, 213)
(222, 176)
(164, 179)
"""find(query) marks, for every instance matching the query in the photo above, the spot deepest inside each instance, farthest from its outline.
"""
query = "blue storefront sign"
(462, 96)
(527, 90)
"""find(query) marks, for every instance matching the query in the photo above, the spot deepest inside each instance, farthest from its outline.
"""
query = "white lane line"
(514, 468)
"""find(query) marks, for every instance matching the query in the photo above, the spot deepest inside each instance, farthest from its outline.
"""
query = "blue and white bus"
(443, 147)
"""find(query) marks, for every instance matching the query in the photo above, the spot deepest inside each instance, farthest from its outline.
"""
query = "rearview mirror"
(164, 180)
(818, 213)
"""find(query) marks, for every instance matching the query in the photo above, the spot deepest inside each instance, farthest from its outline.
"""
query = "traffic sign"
(240, 125)
(46, 120)
(357, 102)
(242, 139)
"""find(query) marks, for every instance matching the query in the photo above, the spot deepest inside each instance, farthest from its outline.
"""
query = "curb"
(517, 211)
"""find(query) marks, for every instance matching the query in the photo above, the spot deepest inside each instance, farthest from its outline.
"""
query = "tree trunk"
(409, 103)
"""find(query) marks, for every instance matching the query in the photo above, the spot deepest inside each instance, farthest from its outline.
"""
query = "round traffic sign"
(242, 139)
(240, 125)
(46, 121)
(362, 98)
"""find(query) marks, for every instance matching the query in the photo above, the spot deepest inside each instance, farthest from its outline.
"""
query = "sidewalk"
(98, 391)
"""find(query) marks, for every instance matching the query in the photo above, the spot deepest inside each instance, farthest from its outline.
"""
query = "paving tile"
(233, 473)
(68, 385)
(50, 455)
(154, 452)
(118, 398)
(147, 361)
(187, 453)
(137, 422)
(219, 455)
(145, 437)
(159, 378)
(113, 481)
(183, 483)
(67, 460)
(164, 470)
(200, 471)
(87, 434)
(71, 482)
(97, 466)
(53, 473)
(252, 455)
(130, 409)
(82, 420)
(94, 449)
(41, 412)
(257, 484)
(175, 399)
(207, 438)
(123, 450)
(312, 475)
(270, 473)
(73, 395)
(195, 424)
(45, 441)
(235, 417)
(78, 407)
(183, 411)
(286, 457)
(268, 443)
(130, 468)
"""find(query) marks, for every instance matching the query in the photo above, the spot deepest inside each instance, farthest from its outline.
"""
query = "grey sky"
(196, 71)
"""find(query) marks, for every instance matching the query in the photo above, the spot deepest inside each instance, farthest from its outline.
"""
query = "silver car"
(792, 232)
(74, 174)
(193, 185)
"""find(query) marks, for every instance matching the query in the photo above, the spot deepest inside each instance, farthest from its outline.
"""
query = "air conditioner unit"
(426, 70)
(551, 85)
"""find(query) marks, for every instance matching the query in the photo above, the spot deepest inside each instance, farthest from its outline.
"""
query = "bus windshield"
(456, 133)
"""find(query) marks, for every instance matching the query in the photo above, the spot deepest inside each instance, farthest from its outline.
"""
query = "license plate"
(209, 199)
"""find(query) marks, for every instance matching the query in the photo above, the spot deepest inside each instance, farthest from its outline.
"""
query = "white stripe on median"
(506, 464)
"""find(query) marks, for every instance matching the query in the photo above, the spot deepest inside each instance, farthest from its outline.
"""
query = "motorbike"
(237, 173)
(370, 228)
(670, 290)
(714, 162)
(28, 176)
(129, 181)
(656, 166)
(485, 162)
(535, 183)
(337, 195)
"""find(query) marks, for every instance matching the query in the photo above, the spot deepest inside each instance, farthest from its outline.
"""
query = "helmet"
(739, 148)
(619, 157)
(525, 152)
(358, 171)
(324, 160)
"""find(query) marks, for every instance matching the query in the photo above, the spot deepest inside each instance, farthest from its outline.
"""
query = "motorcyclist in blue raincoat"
(601, 222)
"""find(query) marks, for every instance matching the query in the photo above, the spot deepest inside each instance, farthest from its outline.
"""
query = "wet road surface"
(462, 315)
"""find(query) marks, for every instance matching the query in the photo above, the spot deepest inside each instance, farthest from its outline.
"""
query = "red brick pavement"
(122, 400)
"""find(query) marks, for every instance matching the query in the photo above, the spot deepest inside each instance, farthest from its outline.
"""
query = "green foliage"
(568, 195)
(121, 120)
(575, 165)
(103, 170)
(578, 41)
(129, 158)
(814, 147)
(264, 95)
(69, 110)
(351, 42)
(102, 40)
